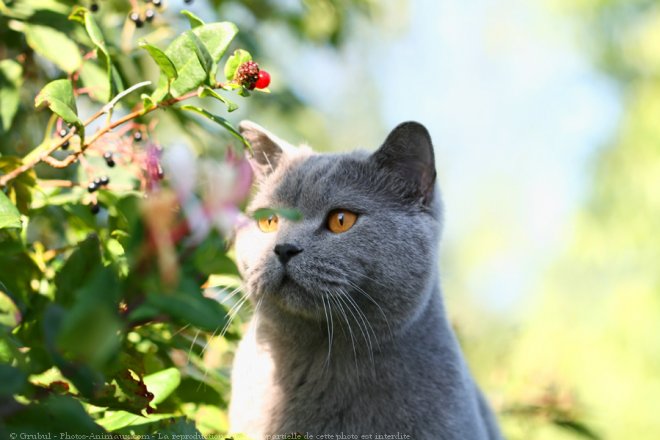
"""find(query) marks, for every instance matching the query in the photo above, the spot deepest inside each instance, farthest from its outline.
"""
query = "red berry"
(263, 81)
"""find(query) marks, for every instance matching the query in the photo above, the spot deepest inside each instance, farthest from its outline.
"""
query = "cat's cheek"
(251, 245)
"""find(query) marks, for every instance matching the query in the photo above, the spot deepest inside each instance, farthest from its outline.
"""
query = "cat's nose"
(285, 251)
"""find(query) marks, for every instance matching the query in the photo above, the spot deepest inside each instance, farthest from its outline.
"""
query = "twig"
(45, 155)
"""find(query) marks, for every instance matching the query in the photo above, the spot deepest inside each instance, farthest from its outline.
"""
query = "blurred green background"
(546, 121)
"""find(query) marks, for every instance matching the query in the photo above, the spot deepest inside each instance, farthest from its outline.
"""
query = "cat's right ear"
(267, 149)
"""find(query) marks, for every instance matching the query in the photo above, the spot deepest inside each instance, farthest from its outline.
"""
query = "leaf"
(77, 269)
(58, 96)
(83, 16)
(218, 120)
(577, 428)
(55, 414)
(10, 315)
(11, 80)
(9, 215)
(95, 80)
(216, 38)
(204, 57)
(12, 379)
(194, 20)
(188, 308)
(207, 91)
(115, 420)
(239, 57)
(288, 213)
(162, 384)
(164, 63)
(54, 45)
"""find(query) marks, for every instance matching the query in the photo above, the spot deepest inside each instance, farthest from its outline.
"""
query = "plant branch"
(45, 156)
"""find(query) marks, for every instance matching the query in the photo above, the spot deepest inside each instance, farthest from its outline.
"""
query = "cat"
(349, 337)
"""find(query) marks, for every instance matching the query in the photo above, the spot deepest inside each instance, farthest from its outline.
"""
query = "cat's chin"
(292, 298)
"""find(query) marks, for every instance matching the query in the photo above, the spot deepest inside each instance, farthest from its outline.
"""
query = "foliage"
(105, 237)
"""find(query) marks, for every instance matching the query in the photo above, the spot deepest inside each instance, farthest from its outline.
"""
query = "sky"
(516, 111)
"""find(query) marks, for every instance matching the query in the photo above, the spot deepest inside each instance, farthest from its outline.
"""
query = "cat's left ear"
(267, 149)
(408, 153)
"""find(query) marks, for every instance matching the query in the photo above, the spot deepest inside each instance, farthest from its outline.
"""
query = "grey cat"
(349, 338)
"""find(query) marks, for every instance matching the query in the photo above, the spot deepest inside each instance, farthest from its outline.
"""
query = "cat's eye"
(341, 220)
(268, 224)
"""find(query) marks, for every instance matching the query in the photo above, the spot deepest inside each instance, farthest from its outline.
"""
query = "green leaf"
(10, 315)
(239, 57)
(194, 20)
(54, 45)
(54, 414)
(9, 215)
(58, 96)
(182, 428)
(207, 91)
(216, 37)
(11, 80)
(189, 308)
(218, 120)
(288, 213)
(115, 420)
(12, 380)
(95, 80)
(204, 57)
(166, 65)
(77, 269)
(162, 384)
(577, 428)
(83, 16)
(90, 332)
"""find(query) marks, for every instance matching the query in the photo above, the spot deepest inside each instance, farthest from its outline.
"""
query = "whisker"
(344, 298)
(348, 324)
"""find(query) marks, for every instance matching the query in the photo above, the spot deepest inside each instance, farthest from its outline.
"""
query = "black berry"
(109, 160)
(63, 132)
(135, 18)
(157, 3)
(94, 7)
(93, 186)
(65, 145)
(247, 74)
(104, 180)
(149, 15)
(137, 136)
(95, 208)
(187, 1)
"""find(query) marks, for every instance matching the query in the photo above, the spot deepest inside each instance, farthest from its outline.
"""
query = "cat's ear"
(267, 149)
(408, 153)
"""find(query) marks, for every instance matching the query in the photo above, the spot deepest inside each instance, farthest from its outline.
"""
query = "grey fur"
(355, 339)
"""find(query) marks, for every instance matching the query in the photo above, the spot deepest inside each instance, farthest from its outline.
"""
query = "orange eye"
(268, 224)
(341, 220)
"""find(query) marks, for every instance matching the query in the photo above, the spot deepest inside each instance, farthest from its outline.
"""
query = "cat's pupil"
(340, 217)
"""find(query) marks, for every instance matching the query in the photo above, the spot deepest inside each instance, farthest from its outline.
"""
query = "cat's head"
(368, 234)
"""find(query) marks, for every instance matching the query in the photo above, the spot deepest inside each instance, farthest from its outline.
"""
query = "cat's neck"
(347, 337)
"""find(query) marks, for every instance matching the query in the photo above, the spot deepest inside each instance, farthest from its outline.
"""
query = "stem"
(44, 156)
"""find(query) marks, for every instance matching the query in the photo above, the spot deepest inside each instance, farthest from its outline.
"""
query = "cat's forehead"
(318, 182)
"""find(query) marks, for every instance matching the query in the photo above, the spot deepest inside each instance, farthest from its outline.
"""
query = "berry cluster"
(251, 77)
(98, 183)
(149, 13)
